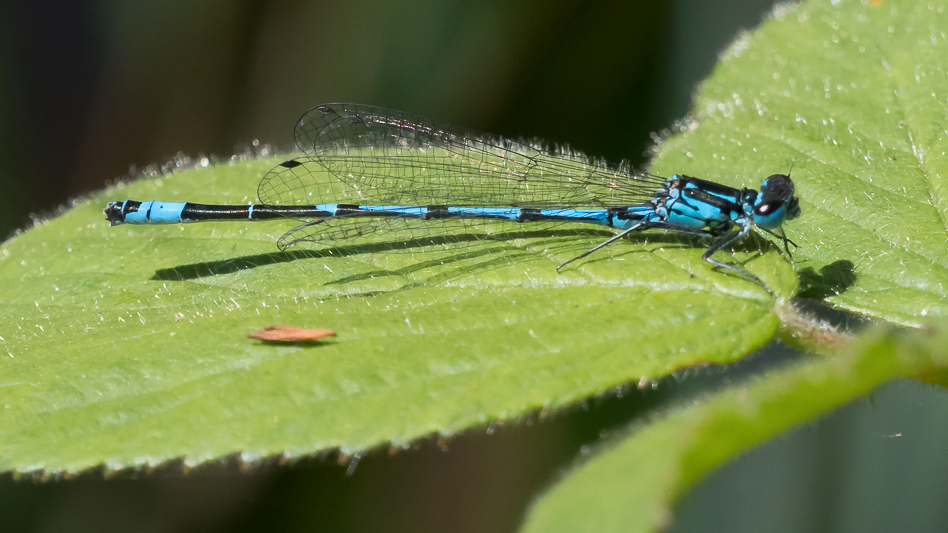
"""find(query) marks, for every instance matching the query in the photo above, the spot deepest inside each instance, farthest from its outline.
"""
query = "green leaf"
(854, 96)
(126, 346)
(633, 485)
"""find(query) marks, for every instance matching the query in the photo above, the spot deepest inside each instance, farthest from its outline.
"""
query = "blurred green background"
(90, 89)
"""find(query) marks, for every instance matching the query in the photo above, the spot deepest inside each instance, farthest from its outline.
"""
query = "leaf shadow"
(832, 280)
(319, 343)
(551, 239)
(505, 256)
(236, 264)
(229, 266)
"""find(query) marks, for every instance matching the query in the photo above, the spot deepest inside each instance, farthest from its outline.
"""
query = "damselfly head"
(776, 202)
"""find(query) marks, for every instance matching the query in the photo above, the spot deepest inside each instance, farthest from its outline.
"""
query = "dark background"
(90, 89)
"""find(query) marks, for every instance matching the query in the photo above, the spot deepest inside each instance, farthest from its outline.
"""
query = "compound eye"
(793, 210)
(768, 208)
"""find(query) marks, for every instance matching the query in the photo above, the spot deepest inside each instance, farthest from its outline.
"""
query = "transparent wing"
(407, 234)
(299, 176)
(389, 157)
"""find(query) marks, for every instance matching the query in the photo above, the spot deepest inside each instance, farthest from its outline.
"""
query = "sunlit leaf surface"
(128, 345)
(855, 96)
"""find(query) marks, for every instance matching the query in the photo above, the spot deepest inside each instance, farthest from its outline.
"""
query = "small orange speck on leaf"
(290, 334)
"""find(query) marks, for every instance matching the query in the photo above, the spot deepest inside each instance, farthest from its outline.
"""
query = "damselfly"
(395, 171)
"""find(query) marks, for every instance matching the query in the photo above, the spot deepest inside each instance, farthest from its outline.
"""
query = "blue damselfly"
(395, 171)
